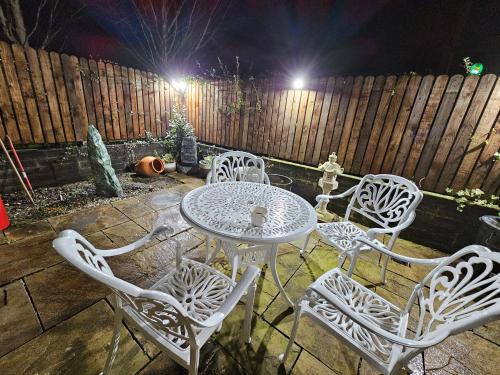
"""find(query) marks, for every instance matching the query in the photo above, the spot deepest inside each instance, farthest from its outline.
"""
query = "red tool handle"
(19, 164)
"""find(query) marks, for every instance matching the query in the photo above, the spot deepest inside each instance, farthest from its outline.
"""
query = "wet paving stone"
(3, 239)
(132, 207)
(25, 257)
(309, 365)
(26, 231)
(18, 321)
(261, 355)
(126, 233)
(90, 220)
(61, 291)
(170, 216)
(78, 345)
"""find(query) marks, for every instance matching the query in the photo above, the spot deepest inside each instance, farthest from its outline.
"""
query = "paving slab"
(261, 356)
(79, 345)
(61, 291)
(309, 365)
(170, 216)
(126, 233)
(18, 320)
(90, 220)
(132, 207)
(26, 231)
(22, 258)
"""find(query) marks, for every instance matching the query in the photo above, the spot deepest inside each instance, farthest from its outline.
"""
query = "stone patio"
(55, 320)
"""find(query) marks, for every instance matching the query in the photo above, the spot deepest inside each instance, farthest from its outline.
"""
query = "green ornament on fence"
(476, 69)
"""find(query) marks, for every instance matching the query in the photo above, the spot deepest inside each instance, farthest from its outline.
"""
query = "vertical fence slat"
(140, 103)
(378, 124)
(425, 125)
(23, 76)
(127, 103)
(364, 100)
(120, 101)
(133, 102)
(400, 124)
(412, 125)
(87, 91)
(325, 110)
(62, 96)
(332, 117)
(366, 127)
(316, 117)
(15, 93)
(440, 122)
(341, 115)
(105, 100)
(6, 109)
(301, 114)
(97, 97)
(450, 132)
(304, 138)
(145, 97)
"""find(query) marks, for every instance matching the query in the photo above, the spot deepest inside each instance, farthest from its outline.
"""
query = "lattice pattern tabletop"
(223, 209)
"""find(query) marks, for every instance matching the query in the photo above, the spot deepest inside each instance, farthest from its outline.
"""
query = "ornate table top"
(223, 209)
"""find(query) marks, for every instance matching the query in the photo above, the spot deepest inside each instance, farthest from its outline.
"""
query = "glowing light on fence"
(179, 84)
(298, 83)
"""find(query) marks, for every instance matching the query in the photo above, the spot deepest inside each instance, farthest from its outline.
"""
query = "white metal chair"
(237, 166)
(459, 294)
(179, 312)
(234, 166)
(388, 201)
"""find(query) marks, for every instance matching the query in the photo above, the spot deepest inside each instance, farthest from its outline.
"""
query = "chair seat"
(342, 235)
(199, 288)
(336, 286)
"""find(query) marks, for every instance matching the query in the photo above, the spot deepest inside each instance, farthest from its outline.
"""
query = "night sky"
(319, 37)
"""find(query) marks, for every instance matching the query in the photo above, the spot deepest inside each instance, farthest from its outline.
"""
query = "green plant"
(168, 158)
(468, 197)
(179, 128)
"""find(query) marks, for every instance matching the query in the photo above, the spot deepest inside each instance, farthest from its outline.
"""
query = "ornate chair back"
(237, 166)
(159, 311)
(385, 199)
(463, 293)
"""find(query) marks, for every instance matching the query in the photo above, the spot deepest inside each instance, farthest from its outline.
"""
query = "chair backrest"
(237, 166)
(158, 310)
(463, 292)
(385, 199)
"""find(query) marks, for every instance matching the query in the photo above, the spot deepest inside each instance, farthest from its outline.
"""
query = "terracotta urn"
(149, 166)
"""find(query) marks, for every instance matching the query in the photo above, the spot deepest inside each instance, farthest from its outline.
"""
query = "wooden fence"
(439, 131)
(51, 98)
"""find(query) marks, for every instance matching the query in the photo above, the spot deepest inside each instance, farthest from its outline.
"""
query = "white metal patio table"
(222, 210)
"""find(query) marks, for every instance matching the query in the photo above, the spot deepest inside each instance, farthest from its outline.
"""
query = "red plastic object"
(4, 218)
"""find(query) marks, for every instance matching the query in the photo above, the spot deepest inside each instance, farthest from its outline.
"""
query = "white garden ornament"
(387, 201)
(179, 312)
(331, 169)
(456, 296)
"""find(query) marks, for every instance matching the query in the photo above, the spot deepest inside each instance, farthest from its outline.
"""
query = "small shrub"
(469, 197)
(179, 128)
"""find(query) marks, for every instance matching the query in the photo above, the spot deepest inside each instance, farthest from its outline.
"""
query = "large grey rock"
(105, 179)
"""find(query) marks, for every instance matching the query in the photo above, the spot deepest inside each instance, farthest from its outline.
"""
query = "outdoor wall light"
(179, 84)
(298, 83)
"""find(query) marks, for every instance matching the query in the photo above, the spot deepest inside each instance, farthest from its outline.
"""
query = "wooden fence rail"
(51, 98)
(439, 131)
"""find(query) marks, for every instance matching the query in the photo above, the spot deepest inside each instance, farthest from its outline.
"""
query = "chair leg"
(113, 349)
(194, 361)
(298, 313)
(304, 246)
(234, 267)
(384, 268)
(352, 266)
(342, 258)
(207, 246)
(247, 325)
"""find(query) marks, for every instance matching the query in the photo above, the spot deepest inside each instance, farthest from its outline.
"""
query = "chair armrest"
(346, 193)
(137, 244)
(358, 318)
(403, 258)
(398, 228)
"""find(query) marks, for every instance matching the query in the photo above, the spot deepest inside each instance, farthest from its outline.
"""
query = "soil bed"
(58, 200)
